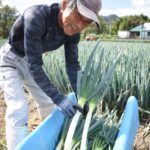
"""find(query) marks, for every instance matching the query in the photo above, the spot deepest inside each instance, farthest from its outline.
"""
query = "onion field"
(131, 76)
(110, 73)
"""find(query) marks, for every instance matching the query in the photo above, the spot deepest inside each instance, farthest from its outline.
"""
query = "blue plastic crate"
(46, 135)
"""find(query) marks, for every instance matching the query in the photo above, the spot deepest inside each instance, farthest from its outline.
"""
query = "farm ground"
(141, 142)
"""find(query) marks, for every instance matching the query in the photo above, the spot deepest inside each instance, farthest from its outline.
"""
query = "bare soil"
(142, 141)
(33, 118)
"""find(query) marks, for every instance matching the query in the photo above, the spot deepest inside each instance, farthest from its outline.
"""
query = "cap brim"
(84, 11)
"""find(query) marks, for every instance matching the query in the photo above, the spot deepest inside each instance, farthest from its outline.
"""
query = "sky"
(118, 7)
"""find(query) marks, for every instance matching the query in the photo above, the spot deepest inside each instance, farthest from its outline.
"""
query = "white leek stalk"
(72, 128)
(86, 126)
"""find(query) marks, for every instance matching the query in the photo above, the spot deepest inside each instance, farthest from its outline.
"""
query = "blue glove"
(69, 108)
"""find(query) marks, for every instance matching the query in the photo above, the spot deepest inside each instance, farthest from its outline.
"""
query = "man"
(41, 28)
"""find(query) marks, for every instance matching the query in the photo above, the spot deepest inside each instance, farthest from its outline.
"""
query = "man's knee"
(17, 117)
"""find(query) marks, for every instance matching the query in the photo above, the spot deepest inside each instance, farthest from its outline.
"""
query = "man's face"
(73, 22)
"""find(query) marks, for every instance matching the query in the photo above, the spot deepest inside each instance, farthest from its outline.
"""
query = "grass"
(2, 41)
(2, 139)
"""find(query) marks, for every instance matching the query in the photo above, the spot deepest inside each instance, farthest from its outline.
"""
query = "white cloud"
(126, 11)
(139, 6)
(141, 3)
(22, 5)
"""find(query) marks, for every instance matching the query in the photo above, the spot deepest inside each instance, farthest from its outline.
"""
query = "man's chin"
(69, 33)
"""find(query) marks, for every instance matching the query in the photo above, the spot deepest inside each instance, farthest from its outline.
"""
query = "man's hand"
(69, 108)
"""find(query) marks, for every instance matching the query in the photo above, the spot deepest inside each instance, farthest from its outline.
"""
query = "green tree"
(123, 25)
(128, 22)
(103, 26)
(92, 28)
(115, 27)
(7, 17)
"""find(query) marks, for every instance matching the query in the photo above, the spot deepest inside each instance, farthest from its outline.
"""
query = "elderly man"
(40, 29)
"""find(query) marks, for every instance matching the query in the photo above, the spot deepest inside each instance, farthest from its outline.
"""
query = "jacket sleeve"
(34, 29)
(71, 56)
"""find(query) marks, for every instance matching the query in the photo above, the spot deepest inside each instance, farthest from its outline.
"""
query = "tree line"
(9, 14)
(128, 22)
(120, 23)
(7, 17)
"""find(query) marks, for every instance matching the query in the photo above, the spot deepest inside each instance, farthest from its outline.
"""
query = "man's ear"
(63, 4)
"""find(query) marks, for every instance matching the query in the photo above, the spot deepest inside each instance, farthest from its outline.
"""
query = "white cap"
(90, 9)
